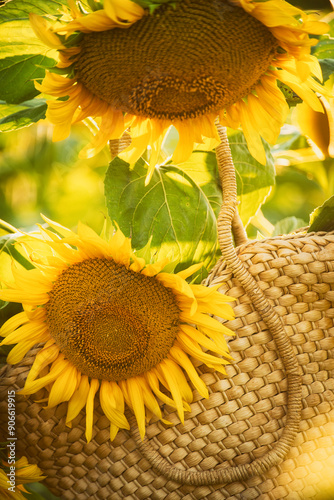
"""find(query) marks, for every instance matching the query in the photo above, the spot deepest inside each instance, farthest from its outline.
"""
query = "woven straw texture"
(245, 413)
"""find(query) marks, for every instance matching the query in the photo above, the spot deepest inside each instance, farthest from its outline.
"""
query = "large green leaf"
(17, 74)
(18, 38)
(172, 211)
(288, 225)
(202, 168)
(254, 180)
(322, 219)
(20, 9)
(13, 116)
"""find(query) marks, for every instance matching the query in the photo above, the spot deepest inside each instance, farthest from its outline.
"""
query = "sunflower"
(109, 322)
(22, 473)
(184, 63)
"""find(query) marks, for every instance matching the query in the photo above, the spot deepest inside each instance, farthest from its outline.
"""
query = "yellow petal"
(20, 350)
(32, 278)
(78, 399)
(64, 231)
(252, 135)
(180, 288)
(120, 248)
(300, 88)
(275, 13)
(150, 401)
(137, 402)
(88, 235)
(13, 323)
(95, 21)
(176, 383)
(267, 125)
(31, 297)
(57, 368)
(112, 127)
(182, 359)
(202, 320)
(43, 358)
(31, 331)
(123, 11)
(44, 32)
(224, 311)
(318, 127)
(94, 385)
(140, 138)
(204, 341)
(153, 382)
(63, 387)
(186, 141)
(154, 269)
(109, 393)
(192, 348)
(190, 270)
(138, 264)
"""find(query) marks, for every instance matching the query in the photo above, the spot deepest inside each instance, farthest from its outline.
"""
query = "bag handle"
(282, 446)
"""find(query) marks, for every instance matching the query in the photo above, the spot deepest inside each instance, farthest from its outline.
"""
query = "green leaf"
(202, 168)
(254, 181)
(18, 38)
(20, 9)
(17, 74)
(38, 491)
(152, 5)
(173, 210)
(325, 47)
(288, 225)
(13, 117)
(23, 56)
(322, 218)
(327, 67)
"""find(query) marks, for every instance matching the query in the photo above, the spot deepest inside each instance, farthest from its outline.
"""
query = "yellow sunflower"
(111, 323)
(184, 64)
(14, 476)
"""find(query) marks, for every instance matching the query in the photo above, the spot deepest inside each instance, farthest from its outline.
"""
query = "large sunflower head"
(108, 322)
(184, 63)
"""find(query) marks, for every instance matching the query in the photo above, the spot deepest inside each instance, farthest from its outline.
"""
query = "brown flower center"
(111, 322)
(178, 63)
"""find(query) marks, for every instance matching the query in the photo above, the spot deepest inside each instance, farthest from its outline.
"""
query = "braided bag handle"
(228, 219)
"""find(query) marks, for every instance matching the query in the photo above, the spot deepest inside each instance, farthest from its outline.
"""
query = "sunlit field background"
(40, 176)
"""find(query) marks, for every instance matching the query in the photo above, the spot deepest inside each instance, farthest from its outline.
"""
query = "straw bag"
(266, 431)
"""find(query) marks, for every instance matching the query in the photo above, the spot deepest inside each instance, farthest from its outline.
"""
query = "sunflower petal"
(109, 391)
(78, 399)
(182, 359)
(136, 398)
(94, 385)
(63, 387)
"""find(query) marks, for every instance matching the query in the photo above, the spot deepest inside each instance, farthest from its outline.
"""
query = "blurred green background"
(40, 176)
